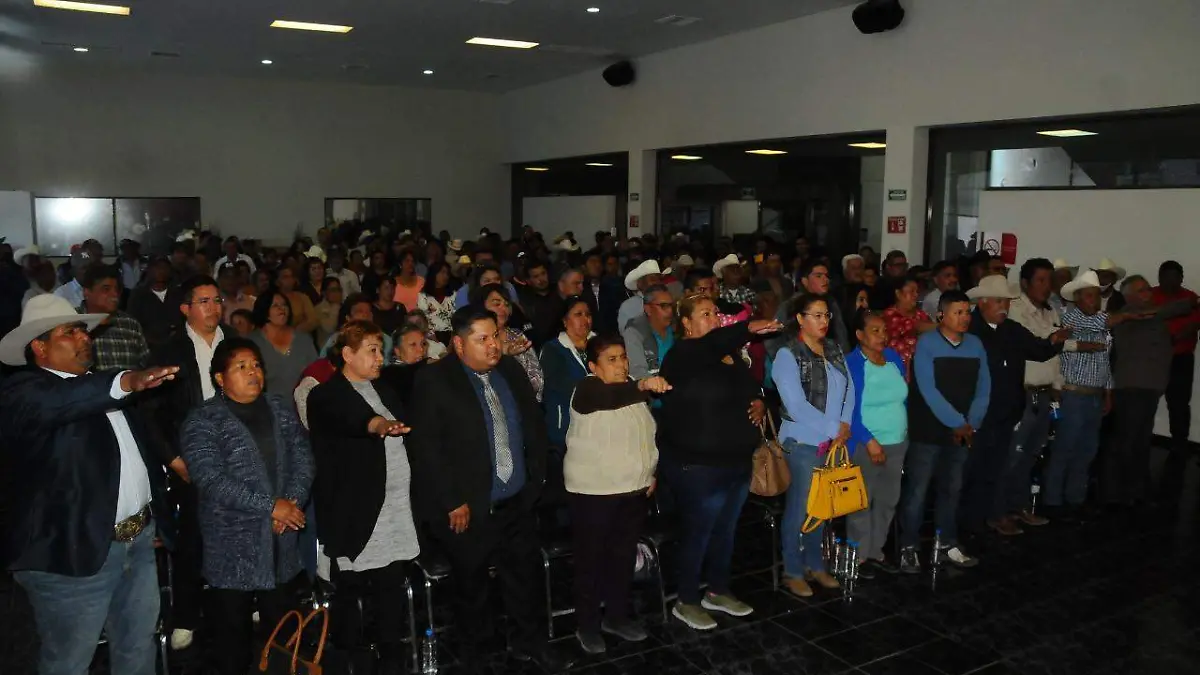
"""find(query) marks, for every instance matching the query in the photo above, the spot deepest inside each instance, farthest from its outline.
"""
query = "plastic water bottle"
(429, 654)
(839, 557)
(935, 558)
(1055, 411)
(852, 561)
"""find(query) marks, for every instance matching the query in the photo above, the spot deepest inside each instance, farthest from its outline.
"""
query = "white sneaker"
(181, 639)
(958, 557)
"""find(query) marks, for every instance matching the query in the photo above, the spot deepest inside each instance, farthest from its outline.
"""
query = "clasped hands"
(286, 515)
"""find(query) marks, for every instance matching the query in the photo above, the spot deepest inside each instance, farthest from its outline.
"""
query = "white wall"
(873, 197)
(1138, 229)
(584, 215)
(953, 61)
(262, 156)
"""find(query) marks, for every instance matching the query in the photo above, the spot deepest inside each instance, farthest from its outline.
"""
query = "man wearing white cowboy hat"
(732, 276)
(1109, 273)
(638, 280)
(1062, 274)
(86, 561)
(1087, 396)
(1009, 345)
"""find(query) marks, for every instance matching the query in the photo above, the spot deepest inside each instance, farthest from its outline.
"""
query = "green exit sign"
(897, 195)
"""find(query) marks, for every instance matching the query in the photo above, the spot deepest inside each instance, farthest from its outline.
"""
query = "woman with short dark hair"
(495, 298)
(250, 461)
(362, 490)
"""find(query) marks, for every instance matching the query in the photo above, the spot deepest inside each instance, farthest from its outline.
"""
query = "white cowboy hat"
(455, 245)
(315, 252)
(364, 236)
(993, 286)
(647, 268)
(568, 246)
(186, 235)
(1088, 279)
(852, 256)
(41, 314)
(1107, 265)
(728, 260)
(1062, 264)
(28, 250)
(685, 260)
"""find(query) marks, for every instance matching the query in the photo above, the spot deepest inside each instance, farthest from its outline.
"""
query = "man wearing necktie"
(478, 449)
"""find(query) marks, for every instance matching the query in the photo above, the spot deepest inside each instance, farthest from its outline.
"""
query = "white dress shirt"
(349, 279)
(134, 492)
(204, 356)
(72, 292)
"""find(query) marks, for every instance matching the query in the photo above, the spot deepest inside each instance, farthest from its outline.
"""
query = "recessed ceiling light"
(83, 7)
(686, 158)
(497, 42)
(766, 152)
(598, 164)
(81, 50)
(267, 62)
(1067, 133)
(593, 10)
(319, 27)
(869, 145)
(536, 168)
(427, 72)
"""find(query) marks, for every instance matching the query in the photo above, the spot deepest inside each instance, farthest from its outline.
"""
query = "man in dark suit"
(478, 448)
(82, 487)
(191, 348)
(605, 293)
(153, 303)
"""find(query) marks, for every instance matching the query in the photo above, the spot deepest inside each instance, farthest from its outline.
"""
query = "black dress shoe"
(549, 657)
(866, 571)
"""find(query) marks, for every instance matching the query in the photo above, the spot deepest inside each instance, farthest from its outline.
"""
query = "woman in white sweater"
(609, 471)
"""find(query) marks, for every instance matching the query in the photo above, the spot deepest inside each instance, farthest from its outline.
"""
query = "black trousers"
(1179, 396)
(605, 530)
(381, 591)
(187, 557)
(229, 618)
(983, 480)
(1126, 470)
(508, 540)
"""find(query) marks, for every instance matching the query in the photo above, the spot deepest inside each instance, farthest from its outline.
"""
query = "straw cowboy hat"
(1107, 265)
(1062, 264)
(21, 253)
(315, 252)
(1088, 279)
(568, 245)
(644, 270)
(455, 245)
(994, 286)
(721, 264)
(41, 314)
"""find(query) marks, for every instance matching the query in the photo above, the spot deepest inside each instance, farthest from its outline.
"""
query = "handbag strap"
(324, 614)
(810, 525)
(266, 653)
(837, 456)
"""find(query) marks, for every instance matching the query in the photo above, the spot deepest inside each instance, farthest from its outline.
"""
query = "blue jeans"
(709, 500)
(1066, 474)
(120, 599)
(801, 552)
(930, 463)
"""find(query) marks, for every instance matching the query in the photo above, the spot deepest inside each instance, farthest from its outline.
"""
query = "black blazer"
(168, 405)
(450, 453)
(63, 468)
(351, 476)
(605, 307)
(160, 319)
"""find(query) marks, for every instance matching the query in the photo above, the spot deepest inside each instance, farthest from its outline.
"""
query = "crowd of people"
(348, 405)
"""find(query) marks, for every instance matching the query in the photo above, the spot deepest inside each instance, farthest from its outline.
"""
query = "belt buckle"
(128, 529)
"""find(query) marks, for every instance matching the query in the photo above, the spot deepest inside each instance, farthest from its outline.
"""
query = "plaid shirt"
(1086, 369)
(118, 343)
(741, 295)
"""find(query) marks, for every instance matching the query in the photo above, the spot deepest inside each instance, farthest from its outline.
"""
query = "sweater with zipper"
(703, 419)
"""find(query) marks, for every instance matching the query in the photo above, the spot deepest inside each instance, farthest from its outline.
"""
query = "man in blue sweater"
(948, 402)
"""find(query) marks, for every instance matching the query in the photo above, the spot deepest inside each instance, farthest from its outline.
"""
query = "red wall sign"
(897, 225)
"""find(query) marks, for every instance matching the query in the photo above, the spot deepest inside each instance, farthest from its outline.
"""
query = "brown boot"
(798, 587)
(1005, 526)
(824, 579)
(1032, 519)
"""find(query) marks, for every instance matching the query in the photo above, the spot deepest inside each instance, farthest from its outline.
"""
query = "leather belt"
(1037, 388)
(1080, 389)
(127, 530)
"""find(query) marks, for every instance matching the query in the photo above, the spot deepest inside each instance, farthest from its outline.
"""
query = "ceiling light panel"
(1067, 133)
(687, 158)
(499, 42)
(599, 164)
(766, 152)
(536, 168)
(316, 27)
(83, 7)
(869, 145)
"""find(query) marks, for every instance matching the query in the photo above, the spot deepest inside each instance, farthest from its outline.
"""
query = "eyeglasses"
(661, 305)
(818, 315)
(208, 302)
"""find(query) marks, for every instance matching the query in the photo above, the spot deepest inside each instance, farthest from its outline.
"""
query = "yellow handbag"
(836, 489)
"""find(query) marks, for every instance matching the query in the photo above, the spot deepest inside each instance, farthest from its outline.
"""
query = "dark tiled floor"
(1116, 594)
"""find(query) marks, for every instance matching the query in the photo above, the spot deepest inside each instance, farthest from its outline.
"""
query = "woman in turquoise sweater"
(878, 435)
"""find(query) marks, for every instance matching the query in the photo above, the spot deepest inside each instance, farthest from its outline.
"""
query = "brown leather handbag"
(771, 476)
(298, 664)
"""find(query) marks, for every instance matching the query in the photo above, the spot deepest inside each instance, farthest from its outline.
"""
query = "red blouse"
(902, 332)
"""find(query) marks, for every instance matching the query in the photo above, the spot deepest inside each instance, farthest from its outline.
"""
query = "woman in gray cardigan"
(250, 461)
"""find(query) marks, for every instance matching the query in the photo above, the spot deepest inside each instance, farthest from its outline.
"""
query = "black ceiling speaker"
(878, 16)
(620, 74)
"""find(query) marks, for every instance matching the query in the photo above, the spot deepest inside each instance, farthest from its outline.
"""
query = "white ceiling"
(392, 41)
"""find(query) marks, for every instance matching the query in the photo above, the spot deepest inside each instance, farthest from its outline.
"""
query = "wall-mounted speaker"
(878, 16)
(620, 74)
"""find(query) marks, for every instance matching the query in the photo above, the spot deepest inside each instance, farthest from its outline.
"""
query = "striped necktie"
(504, 458)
